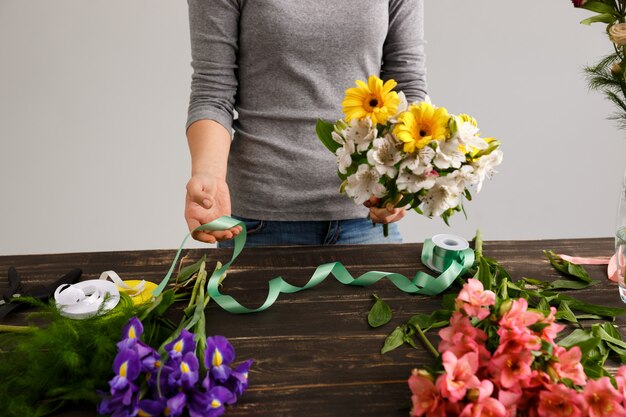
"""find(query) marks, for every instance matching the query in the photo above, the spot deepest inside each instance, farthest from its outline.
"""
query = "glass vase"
(620, 240)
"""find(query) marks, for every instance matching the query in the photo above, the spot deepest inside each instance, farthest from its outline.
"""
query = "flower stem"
(426, 342)
(5, 328)
(478, 244)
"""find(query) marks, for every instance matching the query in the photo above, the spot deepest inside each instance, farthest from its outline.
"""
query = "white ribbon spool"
(450, 242)
(86, 299)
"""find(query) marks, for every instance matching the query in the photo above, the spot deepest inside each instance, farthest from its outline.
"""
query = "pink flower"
(603, 399)
(519, 316)
(620, 378)
(568, 365)
(459, 377)
(474, 300)
(425, 397)
(550, 332)
(511, 370)
(560, 401)
(461, 338)
(520, 338)
(488, 407)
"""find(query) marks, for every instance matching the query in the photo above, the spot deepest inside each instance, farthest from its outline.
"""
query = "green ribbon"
(452, 263)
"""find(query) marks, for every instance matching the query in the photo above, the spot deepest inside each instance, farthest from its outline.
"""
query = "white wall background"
(93, 99)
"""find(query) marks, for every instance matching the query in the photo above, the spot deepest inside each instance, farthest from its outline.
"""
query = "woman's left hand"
(384, 215)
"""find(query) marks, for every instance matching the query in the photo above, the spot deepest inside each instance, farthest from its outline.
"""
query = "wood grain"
(315, 354)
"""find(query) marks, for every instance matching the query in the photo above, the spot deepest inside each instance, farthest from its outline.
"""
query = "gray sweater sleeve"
(403, 51)
(214, 32)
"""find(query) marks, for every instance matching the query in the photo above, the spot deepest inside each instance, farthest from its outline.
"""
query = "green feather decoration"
(64, 361)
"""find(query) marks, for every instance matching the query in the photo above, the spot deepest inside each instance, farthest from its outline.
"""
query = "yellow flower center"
(184, 367)
(178, 347)
(217, 358)
(132, 334)
(124, 369)
(216, 403)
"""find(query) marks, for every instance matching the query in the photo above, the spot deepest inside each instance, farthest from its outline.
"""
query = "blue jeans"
(335, 232)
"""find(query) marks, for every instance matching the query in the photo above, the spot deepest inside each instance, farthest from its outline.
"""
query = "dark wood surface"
(314, 353)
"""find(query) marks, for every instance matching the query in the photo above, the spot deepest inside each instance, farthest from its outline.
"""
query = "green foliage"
(597, 342)
(65, 361)
(380, 313)
(324, 131)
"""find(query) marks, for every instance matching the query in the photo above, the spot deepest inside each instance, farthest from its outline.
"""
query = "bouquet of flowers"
(147, 384)
(499, 358)
(417, 154)
(609, 74)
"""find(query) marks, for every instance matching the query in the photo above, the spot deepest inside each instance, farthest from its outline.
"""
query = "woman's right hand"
(207, 199)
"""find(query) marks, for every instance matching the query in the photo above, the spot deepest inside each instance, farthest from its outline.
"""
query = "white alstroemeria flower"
(344, 156)
(448, 154)
(439, 199)
(337, 137)
(402, 107)
(364, 183)
(426, 155)
(412, 183)
(384, 155)
(457, 181)
(483, 166)
(361, 133)
(468, 136)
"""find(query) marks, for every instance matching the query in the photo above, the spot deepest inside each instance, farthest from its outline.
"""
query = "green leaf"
(600, 18)
(394, 340)
(380, 314)
(600, 7)
(484, 274)
(581, 338)
(422, 320)
(565, 313)
(324, 131)
(604, 335)
(578, 271)
(575, 304)
(569, 284)
(189, 270)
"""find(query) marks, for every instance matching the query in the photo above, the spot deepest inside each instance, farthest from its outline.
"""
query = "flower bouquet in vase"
(416, 155)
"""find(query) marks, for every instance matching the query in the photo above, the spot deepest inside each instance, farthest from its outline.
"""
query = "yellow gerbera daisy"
(420, 125)
(373, 100)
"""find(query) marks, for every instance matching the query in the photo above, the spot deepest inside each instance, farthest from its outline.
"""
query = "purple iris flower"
(176, 405)
(185, 374)
(219, 354)
(150, 408)
(126, 367)
(211, 403)
(123, 403)
(131, 333)
(238, 380)
(181, 345)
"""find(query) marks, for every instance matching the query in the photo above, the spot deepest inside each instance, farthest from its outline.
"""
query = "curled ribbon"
(86, 299)
(138, 291)
(611, 263)
(454, 263)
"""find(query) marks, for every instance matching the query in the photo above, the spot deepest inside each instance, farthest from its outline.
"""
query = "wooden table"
(315, 354)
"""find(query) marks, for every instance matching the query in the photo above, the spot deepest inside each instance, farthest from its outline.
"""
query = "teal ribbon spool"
(454, 264)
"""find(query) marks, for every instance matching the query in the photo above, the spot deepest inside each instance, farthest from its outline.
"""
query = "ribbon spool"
(456, 262)
(86, 299)
(447, 249)
(139, 291)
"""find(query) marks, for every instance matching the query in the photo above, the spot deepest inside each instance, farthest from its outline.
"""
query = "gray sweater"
(281, 64)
